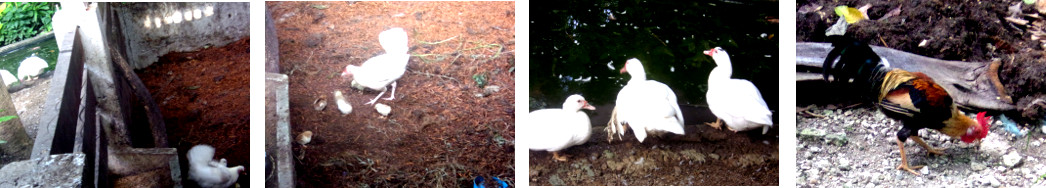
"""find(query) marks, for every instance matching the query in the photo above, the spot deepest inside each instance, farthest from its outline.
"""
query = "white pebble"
(1011, 159)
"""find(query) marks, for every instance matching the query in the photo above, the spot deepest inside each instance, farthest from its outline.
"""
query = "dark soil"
(203, 97)
(439, 132)
(972, 31)
(702, 157)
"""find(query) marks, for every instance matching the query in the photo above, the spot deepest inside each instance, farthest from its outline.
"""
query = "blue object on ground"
(499, 183)
(478, 182)
(1010, 125)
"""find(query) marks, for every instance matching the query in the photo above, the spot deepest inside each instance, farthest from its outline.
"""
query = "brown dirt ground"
(972, 31)
(203, 97)
(439, 132)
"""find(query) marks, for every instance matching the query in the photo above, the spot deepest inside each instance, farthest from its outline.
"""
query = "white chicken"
(378, 72)
(556, 129)
(31, 67)
(647, 106)
(736, 102)
(209, 173)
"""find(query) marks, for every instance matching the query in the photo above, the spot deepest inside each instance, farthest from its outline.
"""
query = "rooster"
(209, 173)
(910, 97)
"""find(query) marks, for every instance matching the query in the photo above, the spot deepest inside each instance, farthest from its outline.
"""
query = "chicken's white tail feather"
(200, 155)
(394, 41)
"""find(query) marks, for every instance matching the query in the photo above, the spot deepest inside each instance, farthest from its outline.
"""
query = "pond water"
(47, 50)
(580, 47)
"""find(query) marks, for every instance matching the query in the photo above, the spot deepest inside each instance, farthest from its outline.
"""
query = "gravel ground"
(857, 148)
(30, 102)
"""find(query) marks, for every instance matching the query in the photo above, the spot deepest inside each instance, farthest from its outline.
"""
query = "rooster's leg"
(393, 96)
(929, 149)
(376, 98)
(904, 160)
(717, 124)
(557, 157)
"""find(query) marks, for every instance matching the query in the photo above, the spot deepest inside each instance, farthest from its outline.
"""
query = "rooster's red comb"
(983, 119)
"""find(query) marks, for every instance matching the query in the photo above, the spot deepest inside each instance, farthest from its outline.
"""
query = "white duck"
(736, 102)
(8, 77)
(646, 105)
(31, 67)
(378, 72)
(209, 173)
(556, 129)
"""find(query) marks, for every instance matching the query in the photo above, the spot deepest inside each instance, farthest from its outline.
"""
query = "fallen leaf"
(892, 13)
(813, 7)
(1017, 21)
(852, 15)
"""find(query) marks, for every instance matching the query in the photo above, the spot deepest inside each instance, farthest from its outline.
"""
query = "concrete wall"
(154, 29)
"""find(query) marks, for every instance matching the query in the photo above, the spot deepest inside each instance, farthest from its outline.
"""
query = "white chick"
(343, 105)
(304, 138)
(383, 109)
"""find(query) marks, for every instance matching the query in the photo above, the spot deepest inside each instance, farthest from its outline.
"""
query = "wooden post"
(60, 111)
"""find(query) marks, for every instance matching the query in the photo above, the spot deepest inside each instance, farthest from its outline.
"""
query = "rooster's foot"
(929, 149)
(906, 168)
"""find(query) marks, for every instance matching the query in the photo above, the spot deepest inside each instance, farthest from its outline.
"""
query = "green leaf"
(7, 118)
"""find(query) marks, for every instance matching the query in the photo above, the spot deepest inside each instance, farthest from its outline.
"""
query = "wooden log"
(967, 82)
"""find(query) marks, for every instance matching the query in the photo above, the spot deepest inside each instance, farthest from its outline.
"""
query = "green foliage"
(6, 118)
(481, 79)
(21, 20)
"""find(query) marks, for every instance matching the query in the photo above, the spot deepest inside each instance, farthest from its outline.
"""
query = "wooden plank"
(159, 129)
(94, 144)
(60, 112)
